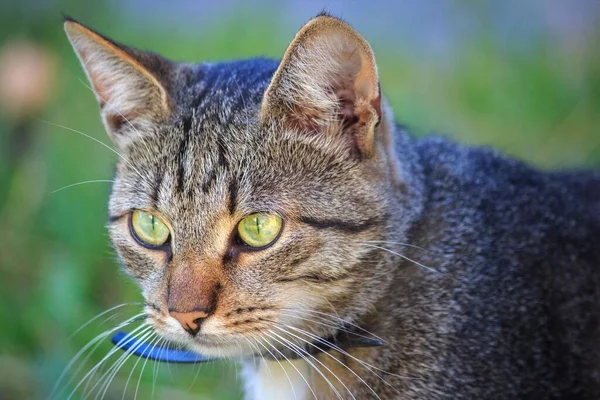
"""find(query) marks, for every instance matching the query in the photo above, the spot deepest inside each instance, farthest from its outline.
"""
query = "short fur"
(481, 273)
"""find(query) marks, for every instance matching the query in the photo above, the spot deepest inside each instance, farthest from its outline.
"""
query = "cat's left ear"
(327, 83)
(130, 85)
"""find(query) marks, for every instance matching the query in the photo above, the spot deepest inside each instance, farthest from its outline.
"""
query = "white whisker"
(99, 142)
(282, 368)
(161, 344)
(137, 387)
(112, 372)
(367, 366)
(299, 351)
(104, 313)
(317, 360)
(340, 350)
(331, 356)
(96, 340)
(336, 327)
(84, 362)
(115, 109)
(106, 373)
(398, 243)
(83, 183)
(406, 258)
(257, 350)
(337, 318)
(144, 329)
(293, 366)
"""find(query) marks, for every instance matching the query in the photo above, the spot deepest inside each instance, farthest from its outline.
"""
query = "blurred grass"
(56, 267)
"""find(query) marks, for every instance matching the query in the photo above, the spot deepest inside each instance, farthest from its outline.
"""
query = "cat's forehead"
(219, 92)
(199, 165)
(198, 162)
(216, 109)
(215, 155)
(214, 119)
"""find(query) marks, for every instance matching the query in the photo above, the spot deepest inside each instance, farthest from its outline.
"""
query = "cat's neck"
(273, 379)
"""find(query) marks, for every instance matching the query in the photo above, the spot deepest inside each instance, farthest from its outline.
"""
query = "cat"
(269, 208)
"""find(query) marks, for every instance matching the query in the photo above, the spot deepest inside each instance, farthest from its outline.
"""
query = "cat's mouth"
(244, 333)
(220, 336)
(204, 350)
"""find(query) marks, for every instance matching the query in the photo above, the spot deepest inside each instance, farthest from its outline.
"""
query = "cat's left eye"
(259, 230)
(148, 229)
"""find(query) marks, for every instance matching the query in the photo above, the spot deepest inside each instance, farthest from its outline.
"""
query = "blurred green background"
(523, 76)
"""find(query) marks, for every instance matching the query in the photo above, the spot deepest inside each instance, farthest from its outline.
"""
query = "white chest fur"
(272, 380)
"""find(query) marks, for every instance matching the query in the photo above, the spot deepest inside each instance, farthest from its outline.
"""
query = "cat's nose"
(190, 321)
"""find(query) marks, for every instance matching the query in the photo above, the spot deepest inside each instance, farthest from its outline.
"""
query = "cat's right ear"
(132, 95)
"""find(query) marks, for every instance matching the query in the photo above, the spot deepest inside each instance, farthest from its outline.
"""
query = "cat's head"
(248, 193)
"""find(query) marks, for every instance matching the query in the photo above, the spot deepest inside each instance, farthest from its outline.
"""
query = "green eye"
(259, 230)
(149, 229)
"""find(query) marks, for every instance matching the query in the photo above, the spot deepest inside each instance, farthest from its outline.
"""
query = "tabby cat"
(273, 212)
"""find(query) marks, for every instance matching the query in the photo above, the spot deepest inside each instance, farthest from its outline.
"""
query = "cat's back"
(523, 248)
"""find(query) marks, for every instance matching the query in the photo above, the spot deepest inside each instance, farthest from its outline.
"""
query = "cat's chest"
(272, 380)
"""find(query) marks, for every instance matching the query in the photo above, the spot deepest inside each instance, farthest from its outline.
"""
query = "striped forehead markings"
(181, 159)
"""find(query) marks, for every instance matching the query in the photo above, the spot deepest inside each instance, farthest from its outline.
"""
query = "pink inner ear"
(347, 99)
(99, 87)
(350, 111)
(304, 120)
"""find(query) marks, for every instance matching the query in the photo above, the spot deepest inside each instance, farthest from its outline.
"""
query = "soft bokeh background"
(522, 75)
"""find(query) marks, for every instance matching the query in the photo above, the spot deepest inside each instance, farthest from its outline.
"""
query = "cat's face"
(243, 203)
(327, 206)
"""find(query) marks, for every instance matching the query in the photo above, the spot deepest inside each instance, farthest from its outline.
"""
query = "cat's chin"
(221, 350)
(210, 348)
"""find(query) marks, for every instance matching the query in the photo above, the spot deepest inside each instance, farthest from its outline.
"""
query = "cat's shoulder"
(481, 166)
(486, 168)
(493, 183)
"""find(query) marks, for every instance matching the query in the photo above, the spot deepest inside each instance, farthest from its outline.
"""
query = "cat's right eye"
(148, 229)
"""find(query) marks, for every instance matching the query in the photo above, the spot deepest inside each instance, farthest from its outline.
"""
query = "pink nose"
(190, 321)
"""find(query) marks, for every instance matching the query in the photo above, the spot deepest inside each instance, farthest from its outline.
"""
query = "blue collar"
(132, 345)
